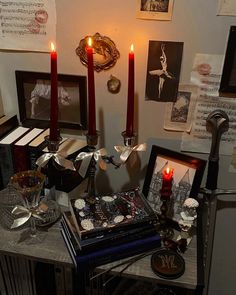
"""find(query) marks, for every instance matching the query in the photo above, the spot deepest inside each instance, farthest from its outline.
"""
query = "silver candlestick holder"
(53, 145)
(129, 140)
(92, 141)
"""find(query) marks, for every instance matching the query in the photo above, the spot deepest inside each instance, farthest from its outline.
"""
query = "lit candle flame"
(90, 42)
(132, 48)
(53, 47)
(167, 170)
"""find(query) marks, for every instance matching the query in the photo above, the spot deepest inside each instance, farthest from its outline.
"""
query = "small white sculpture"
(189, 214)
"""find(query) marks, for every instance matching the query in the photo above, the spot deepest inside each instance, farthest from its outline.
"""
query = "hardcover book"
(7, 124)
(111, 239)
(110, 213)
(36, 147)
(21, 150)
(112, 253)
(6, 153)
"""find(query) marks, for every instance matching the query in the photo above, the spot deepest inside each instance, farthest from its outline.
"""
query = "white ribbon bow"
(127, 150)
(27, 213)
(86, 158)
(58, 158)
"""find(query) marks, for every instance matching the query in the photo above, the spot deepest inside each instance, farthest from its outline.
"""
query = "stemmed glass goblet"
(29, 184)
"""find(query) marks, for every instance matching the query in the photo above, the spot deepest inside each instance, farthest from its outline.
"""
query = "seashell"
(191, 203)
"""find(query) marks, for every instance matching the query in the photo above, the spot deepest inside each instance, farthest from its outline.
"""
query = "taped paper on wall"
(27, 24)
(178, 115)
(199, 139)
(206, 73)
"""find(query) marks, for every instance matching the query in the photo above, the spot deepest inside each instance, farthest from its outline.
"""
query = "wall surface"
(195, 23)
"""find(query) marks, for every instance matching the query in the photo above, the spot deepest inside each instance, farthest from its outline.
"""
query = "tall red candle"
(130, 101)
(53, 135)
(91, 91)
(167, 179)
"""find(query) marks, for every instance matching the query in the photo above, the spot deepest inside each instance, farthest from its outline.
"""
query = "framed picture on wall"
(187, 177)
(228, 79)
(34, 94)
(163, 70)
(154, 9)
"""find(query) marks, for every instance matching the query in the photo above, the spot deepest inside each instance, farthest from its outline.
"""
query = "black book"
(7, 124)
(112, 238)
(111, 213)
(111, 253)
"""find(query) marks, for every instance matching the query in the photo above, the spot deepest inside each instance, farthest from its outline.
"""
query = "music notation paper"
(27, 24)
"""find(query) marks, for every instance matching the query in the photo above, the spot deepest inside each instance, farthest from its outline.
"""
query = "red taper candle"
(167, 179)
(130, 101)
(91, 91)
(54, 134)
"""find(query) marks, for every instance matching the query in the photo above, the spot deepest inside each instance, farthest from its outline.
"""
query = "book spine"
(3, 288)
(34, 153)
(111, 254)
(6, 163)
(69, 248)
(21, 159)
(8, 126)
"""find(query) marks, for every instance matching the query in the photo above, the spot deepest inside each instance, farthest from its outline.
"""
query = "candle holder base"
(129, 141)
(92, 140)
(165, 231)
(53, 145)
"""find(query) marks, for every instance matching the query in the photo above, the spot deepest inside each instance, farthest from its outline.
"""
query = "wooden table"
(142, 270)
(53, 250)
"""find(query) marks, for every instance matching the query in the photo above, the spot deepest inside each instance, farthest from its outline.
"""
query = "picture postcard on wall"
(163, 70)
(155, 9)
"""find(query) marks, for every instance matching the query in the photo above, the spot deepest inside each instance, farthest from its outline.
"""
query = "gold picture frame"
(105, 52)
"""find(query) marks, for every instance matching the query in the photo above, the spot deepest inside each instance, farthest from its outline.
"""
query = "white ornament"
(191, 203)
(119, 218)
(87, 224)
(80, 204)
(107, 199)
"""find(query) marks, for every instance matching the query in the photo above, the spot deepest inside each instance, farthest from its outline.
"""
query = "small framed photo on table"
(34, 95)
(228, 79)
(187, 176)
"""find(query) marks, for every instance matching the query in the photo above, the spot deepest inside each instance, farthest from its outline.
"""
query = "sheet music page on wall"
(27, 24)
(206, 73)
(226, 7)
(199, 140)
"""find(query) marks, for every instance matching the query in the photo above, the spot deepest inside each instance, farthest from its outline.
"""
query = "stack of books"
(109, 228)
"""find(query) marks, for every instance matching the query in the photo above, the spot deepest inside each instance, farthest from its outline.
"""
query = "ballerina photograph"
(163, 70)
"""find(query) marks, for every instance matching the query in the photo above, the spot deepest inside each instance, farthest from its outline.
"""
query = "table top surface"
(53, 250)
(141, 269)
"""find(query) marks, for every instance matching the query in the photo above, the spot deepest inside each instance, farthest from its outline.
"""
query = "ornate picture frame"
(33, 91)
(105, 52)
(187, 177)
(228, 79)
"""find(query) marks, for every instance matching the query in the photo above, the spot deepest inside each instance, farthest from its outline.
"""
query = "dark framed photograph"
(187, 176)
(228, 79)
(163, 70)
(34, 94)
